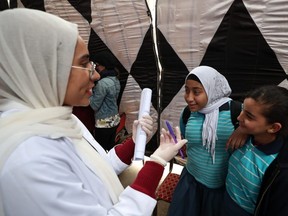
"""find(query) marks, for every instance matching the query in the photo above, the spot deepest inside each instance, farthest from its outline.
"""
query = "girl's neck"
(264, 140)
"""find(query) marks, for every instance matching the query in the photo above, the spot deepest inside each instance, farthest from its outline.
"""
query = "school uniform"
(201, 186)
(247, 167)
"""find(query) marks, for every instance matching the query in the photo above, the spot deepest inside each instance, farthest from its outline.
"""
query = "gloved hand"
(146, 123)
(168, 149)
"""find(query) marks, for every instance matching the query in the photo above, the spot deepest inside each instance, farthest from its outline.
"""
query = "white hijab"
(36, 53)
(218, 91)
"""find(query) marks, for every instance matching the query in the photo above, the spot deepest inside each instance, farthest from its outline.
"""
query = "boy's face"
(195, 95)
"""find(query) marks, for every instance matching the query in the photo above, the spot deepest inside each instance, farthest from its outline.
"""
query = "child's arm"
(236, 140)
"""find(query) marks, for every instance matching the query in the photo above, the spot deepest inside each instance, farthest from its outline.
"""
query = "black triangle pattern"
(95, 45)
(240, 52)
(13, 4)
(144, 69)
(83, 7)
(174, 71)
(39, 4)
(3, 5)
(237, 50)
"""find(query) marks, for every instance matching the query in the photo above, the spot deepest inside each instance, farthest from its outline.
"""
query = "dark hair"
(193, 77)
(275, 101)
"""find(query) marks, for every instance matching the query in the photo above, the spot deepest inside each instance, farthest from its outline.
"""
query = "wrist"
(148, 178)
(158, 160)
(125, 150)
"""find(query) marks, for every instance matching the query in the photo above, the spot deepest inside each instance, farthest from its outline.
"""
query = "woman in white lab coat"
(49, 162)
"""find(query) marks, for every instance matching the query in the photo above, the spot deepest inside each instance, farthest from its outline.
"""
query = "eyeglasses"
(91, 69)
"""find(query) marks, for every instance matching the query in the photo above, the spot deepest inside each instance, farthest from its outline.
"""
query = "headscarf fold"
(36, 53)
(218, 91)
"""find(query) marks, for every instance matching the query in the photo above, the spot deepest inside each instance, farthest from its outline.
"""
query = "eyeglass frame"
(91, 70)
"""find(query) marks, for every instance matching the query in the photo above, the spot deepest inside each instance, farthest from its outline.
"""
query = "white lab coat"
(47, 177)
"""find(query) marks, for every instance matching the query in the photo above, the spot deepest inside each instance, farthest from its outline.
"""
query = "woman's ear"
(275, 128)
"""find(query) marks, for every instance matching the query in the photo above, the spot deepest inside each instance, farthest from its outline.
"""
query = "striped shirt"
(247, 166)
(199, 160)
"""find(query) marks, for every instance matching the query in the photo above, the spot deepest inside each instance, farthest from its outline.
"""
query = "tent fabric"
(244, 40)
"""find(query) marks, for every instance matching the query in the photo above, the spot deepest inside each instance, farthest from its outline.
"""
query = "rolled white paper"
(144, 109)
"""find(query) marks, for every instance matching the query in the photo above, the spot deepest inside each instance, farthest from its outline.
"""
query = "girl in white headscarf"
(49, 162)
(202, 184)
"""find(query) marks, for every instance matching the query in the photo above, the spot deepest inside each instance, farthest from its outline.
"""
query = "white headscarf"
(218, 91)
(36, 53)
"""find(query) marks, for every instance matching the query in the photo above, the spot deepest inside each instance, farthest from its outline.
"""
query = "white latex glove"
(146, 123)
(168, 149)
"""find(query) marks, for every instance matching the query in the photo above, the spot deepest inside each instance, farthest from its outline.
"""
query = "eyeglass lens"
(92, 70)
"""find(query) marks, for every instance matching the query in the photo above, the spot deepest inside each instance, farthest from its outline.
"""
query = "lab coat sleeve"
(135, 203)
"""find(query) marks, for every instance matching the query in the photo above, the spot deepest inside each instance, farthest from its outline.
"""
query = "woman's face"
(80, 85)
(195, 95)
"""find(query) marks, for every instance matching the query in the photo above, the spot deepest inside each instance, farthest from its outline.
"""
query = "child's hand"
(236, 140)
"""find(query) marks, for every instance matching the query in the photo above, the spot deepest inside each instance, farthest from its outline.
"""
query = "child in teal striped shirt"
(265, 117)
(201, 187)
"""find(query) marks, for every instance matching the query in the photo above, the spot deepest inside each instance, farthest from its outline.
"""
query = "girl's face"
(252, 121)
(79, 88)
(195, 95)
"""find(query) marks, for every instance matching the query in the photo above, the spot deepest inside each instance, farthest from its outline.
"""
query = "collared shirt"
(247, 166)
